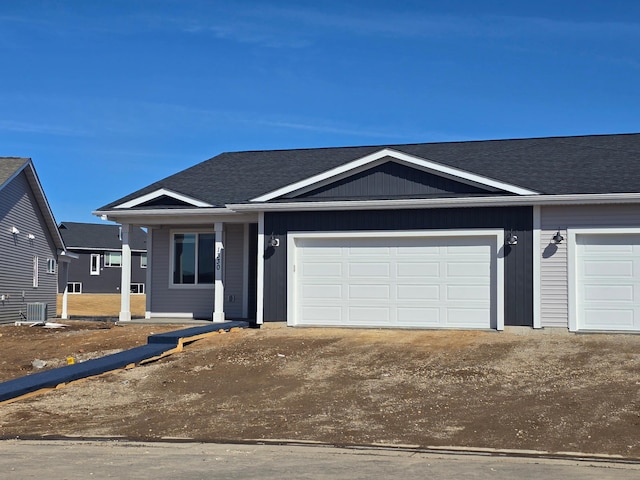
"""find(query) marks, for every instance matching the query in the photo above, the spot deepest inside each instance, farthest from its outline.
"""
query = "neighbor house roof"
(95, 236)
(10, 168)
(595, 164)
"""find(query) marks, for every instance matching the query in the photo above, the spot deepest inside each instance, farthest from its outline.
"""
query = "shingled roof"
(9, 166)
(594, 164)
(96, 236)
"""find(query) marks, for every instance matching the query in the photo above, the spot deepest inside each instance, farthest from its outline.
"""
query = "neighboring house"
(541, 232)
(31, 247)
(99, 264)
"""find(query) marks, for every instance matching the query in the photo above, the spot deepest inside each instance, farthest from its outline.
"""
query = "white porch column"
(125, 283)
(218, 304)
(260, 271)
(65, 294)
(147, 285)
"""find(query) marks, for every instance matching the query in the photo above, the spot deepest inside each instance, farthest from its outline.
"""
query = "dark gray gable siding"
(165, 201)
(518, 259)
(390, 180)
(19, 208)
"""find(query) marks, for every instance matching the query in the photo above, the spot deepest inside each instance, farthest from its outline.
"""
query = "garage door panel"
(320, 314)
(369, 269)
(605, 318)
(369, 315)
(419, 317)
(427, 251)
(317, 269)
(359, 292)
(367, 251)
(469, 317)
(615, 269)
(319, 291)
(417, 269)
(610, 293)
(469, 269)
(468, 292)
(418, 293)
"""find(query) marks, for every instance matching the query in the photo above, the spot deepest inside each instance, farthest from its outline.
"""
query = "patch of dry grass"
(100, 305)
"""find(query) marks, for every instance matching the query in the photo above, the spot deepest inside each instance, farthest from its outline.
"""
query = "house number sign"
(219, 259)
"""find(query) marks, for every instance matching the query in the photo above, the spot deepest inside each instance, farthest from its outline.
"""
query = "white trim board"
(497, 259)
(163, 192)
(411, 160)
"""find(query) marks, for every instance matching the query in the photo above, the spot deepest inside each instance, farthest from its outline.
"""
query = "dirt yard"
(558, 393)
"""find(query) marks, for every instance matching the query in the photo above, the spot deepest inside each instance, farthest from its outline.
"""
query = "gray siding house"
(99, 263)
(539, 233)
(32, 249)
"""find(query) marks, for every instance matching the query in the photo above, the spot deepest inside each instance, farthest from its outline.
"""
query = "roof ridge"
(395, 145)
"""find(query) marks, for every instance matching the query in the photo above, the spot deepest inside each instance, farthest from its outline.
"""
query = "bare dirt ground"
(557, 393)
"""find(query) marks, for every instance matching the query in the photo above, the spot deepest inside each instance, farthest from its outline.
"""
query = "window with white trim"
(143, 260)
(74, 287)
(36, 280)
(51, 265)
(193, 258)
(95, 264)
(113, 259)
(137, 288)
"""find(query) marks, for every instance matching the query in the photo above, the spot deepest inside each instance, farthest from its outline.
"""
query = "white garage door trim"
(576, 322)
(495, 239)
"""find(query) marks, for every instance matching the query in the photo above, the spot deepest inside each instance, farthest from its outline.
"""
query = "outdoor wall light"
(14, 230)
(557, 238)
(31, 236)
(274, 242)
(511, 239)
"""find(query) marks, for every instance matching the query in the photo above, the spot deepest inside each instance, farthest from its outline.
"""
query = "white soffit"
(369, 160)
(163, 192)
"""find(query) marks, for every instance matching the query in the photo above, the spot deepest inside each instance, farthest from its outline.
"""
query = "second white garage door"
(404, 281)
(608, 282)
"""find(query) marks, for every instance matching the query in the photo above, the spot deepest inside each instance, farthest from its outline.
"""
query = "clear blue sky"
(108, 96)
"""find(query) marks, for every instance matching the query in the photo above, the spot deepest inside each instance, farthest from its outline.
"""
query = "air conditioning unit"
(36, 312)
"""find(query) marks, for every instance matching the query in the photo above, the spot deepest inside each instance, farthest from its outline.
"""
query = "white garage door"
(608, 282)
(425, 282)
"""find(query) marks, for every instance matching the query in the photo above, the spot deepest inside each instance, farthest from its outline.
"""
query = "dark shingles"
(99, 236)
(553, 165)
(9, 166)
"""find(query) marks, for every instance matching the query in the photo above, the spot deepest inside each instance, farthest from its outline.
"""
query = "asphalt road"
(70, 459)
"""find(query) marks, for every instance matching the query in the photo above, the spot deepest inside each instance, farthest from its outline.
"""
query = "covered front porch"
(197, 272)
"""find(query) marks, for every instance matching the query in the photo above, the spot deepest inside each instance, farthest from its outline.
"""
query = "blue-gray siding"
(518, 259)
(19, 208)
(196, 301)
(110, 277)
(390, 180)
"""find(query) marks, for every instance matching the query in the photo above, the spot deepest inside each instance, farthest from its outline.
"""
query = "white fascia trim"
(163, 192)
(572, 265)
(67, 256)
(497, 256)
(450, 172)
(492, 201)
(176, 216)
(43, 203)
